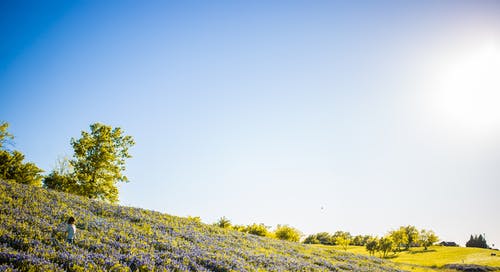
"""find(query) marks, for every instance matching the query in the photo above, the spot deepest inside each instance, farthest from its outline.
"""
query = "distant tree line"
(96, 167)
(477, 241)
(337, 238)
(395, 241)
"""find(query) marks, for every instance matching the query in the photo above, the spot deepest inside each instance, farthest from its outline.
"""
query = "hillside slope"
(116, 238)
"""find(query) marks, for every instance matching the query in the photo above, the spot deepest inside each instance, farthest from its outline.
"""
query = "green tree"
(62, 177)
(12, 166)
(284, 232)
(371, 245)
(399, 237)
(312, 239)
(427, 238)
(99, 161)
(360, 240)
(385, 245)
(343, 241)
(223, 223)
(5, 136)
(411, 236)
(477, 241)
(62, 183)
(340, 235)
(325, 238)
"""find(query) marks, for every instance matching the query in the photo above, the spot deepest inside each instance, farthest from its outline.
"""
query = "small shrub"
(287, 233)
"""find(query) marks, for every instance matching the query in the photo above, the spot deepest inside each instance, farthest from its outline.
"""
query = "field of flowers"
(117, 238)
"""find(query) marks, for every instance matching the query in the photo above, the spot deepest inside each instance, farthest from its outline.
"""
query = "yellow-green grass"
(436, 256)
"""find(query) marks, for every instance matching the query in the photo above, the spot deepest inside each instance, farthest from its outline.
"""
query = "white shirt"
(71, 231)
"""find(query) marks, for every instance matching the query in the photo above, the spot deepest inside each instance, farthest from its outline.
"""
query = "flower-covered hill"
(116, 238)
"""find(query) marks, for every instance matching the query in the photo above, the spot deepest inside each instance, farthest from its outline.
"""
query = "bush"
(60, 182)
(311, 239)
(257, 229)
(287, 233)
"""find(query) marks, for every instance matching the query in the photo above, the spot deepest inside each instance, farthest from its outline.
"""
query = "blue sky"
(380, 112)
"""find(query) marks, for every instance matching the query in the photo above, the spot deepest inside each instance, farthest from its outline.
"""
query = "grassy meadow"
(435, 256)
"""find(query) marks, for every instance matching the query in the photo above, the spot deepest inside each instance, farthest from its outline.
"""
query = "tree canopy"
(99, 161)
(223, 223)
(257, 229)
(427, 238)
(284, 232)
(477, 241)
(12, 166)
(4, 134)
(61, 178)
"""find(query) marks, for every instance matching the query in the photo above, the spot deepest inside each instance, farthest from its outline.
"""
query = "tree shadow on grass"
(395, 255)
(420, 251)
(390, 257)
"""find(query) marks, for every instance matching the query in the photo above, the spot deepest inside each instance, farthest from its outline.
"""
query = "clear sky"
(324, 115)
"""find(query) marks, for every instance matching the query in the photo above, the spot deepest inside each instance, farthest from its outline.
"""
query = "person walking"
(71, 230)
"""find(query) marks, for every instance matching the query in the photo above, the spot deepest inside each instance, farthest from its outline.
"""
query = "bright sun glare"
(468, 90)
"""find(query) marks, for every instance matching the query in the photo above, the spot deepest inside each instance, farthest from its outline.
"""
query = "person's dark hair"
(71, 220)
